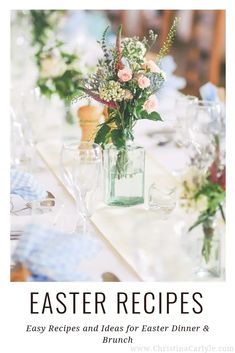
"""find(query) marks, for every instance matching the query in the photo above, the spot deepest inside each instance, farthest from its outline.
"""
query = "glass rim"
(187, 96)
(206, 103)
(163, 188)
(132, 145)
(81, 145)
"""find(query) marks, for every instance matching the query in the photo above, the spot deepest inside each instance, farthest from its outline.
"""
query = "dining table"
(135, 244)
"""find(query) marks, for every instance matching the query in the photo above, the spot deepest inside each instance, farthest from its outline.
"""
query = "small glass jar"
(162, 199)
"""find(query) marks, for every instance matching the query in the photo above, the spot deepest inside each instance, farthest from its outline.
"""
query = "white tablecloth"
(135, 245)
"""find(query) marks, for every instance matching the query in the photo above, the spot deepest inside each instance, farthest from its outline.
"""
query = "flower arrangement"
(126, 82)
(205, 192)
(59, 71)
(59, 74)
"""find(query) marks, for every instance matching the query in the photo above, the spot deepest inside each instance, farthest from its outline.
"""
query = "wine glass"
(81, 168)
(205, 125)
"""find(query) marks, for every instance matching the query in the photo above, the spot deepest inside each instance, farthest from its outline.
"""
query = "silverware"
(48, 202)
(163, 143)
(157, 133)
(110, 277)
(16, 234)
(21, 209)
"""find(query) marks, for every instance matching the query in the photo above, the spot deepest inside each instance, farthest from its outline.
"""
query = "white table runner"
(152, 247)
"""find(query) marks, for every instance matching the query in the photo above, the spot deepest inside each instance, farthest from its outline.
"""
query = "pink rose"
(150, 105)
(143, 82)
(150, 64)
(125, 74)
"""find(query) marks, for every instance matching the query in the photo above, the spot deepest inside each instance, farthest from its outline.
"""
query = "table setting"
(127, 180)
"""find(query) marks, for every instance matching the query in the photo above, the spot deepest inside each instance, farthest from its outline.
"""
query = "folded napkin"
(209, 92)
(26, 186)
(52, 255)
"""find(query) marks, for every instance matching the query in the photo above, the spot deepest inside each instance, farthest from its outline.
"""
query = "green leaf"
(137, 111)
(143, 114)
(118, 138)
(68, 57)
(201, 219)
(44, 89)
(102, 133)
(215, 195)
(154, 116)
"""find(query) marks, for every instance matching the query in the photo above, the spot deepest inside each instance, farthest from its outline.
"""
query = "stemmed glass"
(81, 169)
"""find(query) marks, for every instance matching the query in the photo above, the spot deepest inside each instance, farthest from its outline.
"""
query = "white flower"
(51, 67)
(193, 179)
(133, 49)
(111, 91)
(191, 183)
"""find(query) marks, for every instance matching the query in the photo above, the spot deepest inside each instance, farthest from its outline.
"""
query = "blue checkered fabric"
(54, 255)
(26, 186)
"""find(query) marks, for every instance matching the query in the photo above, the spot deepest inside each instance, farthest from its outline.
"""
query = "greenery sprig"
(169, 40)
(210, 189)
(215, 197)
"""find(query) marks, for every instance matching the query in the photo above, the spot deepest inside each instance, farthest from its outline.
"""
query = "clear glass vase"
(124, 175)
(209, 250)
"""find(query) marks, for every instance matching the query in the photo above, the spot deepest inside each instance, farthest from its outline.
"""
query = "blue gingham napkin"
(209, 92)
(53, 255)
(26, 186)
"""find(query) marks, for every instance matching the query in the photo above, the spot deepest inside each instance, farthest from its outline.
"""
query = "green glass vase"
(124, 171)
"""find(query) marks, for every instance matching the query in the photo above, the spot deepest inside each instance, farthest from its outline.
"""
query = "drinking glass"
(33, 109)
(81, 168)
(205, 125)
(22, 149)
(181, 136)
(162, 199)
(182, 105)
